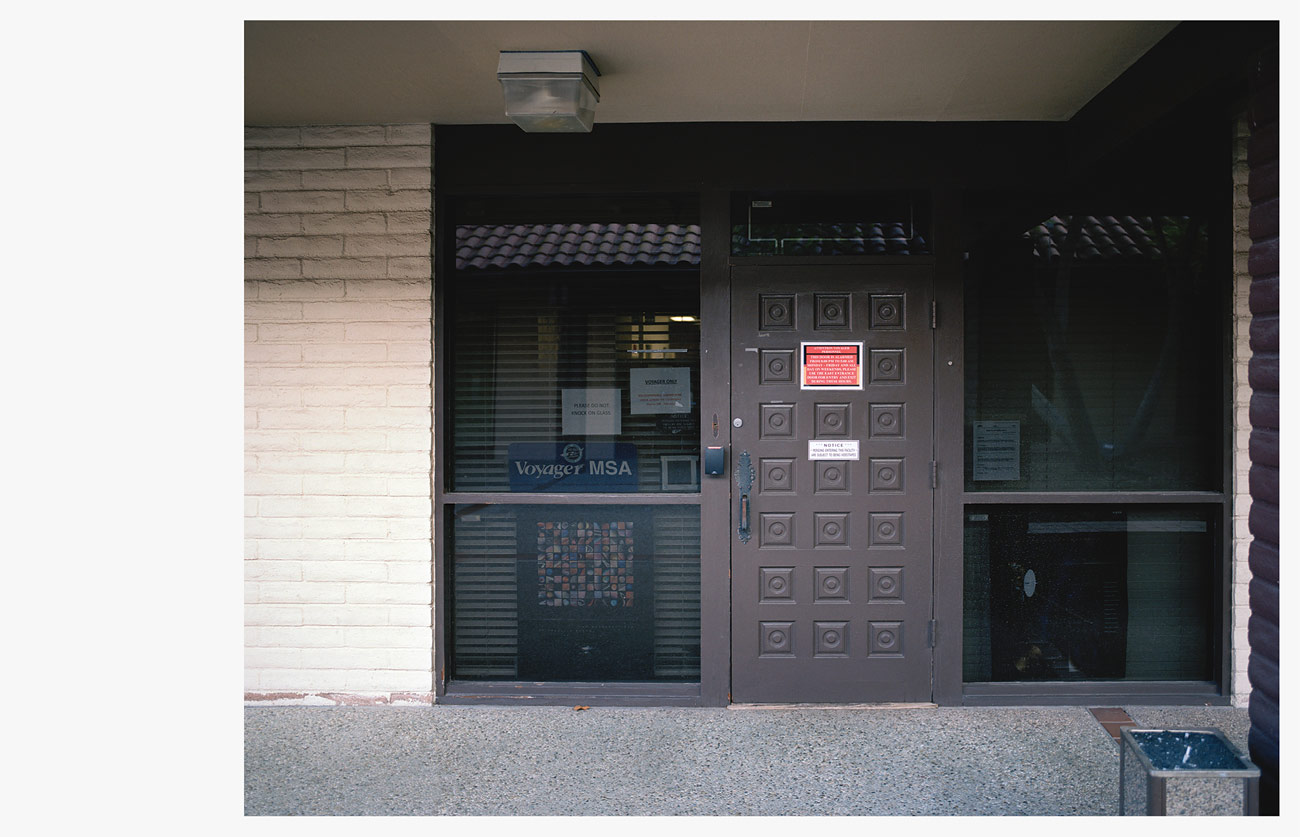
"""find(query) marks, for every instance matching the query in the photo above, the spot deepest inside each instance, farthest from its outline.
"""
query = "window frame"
(1219, 503)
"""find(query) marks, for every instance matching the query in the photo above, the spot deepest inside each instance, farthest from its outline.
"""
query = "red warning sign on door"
(830, 366)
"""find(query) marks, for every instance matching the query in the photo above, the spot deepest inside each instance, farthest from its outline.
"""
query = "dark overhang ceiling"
(444, 72)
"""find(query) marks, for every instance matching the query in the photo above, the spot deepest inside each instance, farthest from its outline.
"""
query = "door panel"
(831, 591)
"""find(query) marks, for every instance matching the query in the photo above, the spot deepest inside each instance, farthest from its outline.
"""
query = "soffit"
(444, 72)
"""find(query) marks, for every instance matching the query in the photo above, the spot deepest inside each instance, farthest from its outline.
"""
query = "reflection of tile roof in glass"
(1099, 237)
(576, 245)
(827, 239)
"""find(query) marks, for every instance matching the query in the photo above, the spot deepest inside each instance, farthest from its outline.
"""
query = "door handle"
(744, 481)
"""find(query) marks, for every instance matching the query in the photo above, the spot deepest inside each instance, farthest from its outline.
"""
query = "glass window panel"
(1069, 593)
(575, 593)
(1094, 358)
(575, 383)
(825, 224)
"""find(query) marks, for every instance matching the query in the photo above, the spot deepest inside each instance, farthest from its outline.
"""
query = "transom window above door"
(811, 224)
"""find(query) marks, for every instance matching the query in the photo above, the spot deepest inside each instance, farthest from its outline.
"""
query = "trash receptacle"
(1184, 772)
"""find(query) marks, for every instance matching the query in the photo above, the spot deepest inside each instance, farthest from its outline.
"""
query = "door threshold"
(833, 706)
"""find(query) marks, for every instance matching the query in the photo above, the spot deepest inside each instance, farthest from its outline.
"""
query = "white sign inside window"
(592, 412)
(996, 450)
(838, 449)
(659, 390)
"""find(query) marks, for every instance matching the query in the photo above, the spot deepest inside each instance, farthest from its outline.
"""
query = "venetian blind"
(518, 344)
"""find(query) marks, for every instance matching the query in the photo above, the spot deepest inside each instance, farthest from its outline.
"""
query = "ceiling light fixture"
(550, 92)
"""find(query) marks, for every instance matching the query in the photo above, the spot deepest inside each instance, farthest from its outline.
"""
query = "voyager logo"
(605, 466)
(559, 470)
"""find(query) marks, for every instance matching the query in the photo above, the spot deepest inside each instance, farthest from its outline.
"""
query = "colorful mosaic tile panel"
(581, 564)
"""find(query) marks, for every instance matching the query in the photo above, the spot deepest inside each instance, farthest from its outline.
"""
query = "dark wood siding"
(1265, 421)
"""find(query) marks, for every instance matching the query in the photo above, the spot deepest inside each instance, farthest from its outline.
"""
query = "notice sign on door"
(830, 365)
(839, 450)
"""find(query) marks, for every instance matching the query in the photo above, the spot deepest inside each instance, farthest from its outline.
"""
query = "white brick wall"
(1241, 411)
(338, 354)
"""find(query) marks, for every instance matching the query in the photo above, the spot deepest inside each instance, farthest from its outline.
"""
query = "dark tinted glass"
(1093, 358)
(1088, 593)
(575, 593)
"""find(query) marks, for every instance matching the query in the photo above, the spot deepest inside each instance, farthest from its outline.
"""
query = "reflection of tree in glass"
(1177, 250)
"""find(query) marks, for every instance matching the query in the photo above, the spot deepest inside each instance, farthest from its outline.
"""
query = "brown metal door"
(831, 583)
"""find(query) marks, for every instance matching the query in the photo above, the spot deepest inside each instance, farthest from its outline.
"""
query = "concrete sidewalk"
(508, 761)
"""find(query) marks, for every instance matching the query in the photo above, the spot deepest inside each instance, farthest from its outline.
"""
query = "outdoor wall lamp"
(550, 91)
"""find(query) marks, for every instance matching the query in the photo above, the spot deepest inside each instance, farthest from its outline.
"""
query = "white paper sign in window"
(996, 450)
(660, 390)
(592, 412)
